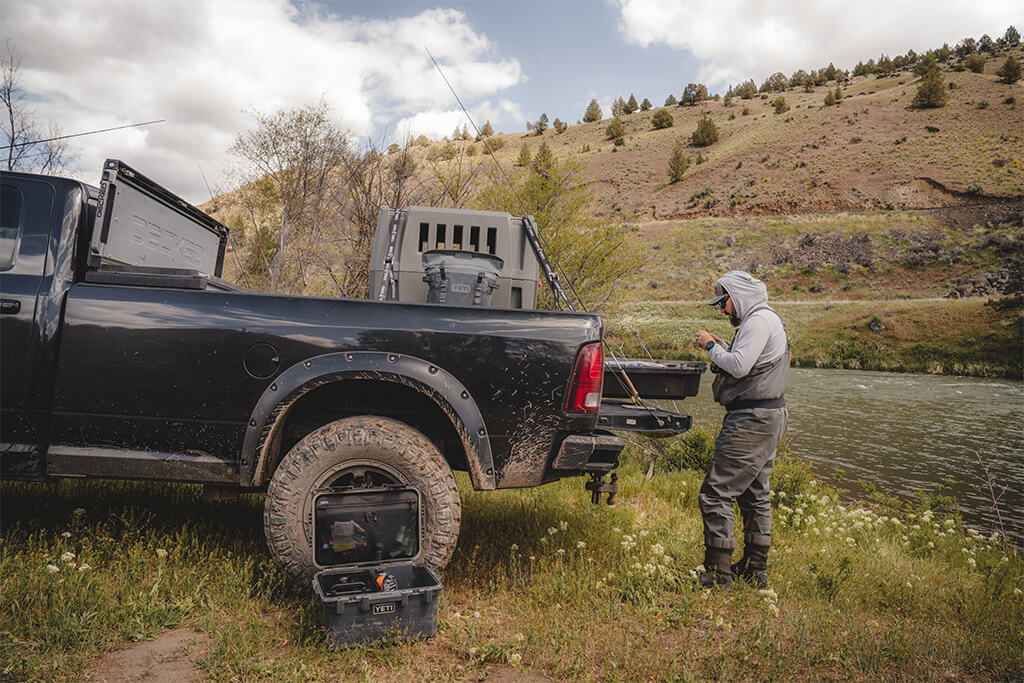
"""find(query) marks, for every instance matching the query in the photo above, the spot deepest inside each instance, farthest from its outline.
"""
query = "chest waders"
(754, 423)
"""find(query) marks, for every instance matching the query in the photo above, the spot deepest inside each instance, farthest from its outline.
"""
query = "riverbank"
(934, 336)
(543, 584)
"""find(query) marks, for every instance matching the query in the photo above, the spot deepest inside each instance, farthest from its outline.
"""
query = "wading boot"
(753, 566)
(717, 573)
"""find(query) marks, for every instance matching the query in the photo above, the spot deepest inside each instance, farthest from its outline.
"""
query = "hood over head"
(746, 291)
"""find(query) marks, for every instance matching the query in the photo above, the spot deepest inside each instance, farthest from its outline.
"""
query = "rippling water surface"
(907, 433)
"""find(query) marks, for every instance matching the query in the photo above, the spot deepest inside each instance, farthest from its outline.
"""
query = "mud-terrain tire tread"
(363, 438)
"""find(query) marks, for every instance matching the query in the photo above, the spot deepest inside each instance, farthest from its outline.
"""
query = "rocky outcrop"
(985, 284)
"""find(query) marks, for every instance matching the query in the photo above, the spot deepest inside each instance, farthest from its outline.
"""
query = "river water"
(906, 433)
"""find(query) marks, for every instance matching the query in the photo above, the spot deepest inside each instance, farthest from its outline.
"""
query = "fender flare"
(440, 386)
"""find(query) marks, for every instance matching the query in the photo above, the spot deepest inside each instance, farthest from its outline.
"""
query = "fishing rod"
(537, 244)
(78, 135)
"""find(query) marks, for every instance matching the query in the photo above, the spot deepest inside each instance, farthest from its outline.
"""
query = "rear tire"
(361, 451)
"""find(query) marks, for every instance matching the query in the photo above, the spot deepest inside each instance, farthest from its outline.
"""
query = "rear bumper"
(596, 452)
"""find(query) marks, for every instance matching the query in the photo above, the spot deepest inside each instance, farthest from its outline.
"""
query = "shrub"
(1009, 72)
(559, 126)
(931, 93)
(677, 163)
(706, 133)
(525, 157)
(975, 62)
(746, 111)
(619, 141)
(662, 119)
(780, 105)
(615, 129)
(494, 144)
(692, 451)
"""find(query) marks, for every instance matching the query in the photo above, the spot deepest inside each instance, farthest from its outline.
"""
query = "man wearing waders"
(752, 377)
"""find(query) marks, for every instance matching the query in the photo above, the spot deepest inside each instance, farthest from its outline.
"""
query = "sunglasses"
(721, 304)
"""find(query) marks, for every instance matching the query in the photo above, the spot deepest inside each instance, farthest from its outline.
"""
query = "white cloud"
(436, 124)
(739, 39)
(201, 65)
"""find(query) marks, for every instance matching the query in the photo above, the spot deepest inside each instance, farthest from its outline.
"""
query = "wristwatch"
(708, 346)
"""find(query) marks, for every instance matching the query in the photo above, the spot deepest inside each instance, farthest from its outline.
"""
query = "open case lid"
(140, 223)
(358, 526)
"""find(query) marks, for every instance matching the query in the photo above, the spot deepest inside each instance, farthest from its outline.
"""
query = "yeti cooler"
(461, 278)
(368, 587)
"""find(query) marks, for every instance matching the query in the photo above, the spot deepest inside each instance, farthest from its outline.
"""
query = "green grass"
(542, 580)
(963, 337)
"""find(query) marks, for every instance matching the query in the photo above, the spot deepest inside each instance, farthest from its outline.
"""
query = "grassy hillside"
(872, 151)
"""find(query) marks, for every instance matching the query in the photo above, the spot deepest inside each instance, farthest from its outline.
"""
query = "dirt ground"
(172, 657)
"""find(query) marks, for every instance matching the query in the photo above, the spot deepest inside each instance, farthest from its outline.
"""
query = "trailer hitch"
(597, 486)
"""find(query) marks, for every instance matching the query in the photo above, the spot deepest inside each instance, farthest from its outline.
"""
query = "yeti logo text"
(384, 608)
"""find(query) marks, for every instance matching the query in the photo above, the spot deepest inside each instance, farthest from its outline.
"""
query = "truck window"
(10, 223)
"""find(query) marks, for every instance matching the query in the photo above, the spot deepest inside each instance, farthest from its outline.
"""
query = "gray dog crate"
(423, 229)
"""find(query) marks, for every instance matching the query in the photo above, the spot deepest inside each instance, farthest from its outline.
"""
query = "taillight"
(587, 380)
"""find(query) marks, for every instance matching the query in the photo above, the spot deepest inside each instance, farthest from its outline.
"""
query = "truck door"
(26, 208)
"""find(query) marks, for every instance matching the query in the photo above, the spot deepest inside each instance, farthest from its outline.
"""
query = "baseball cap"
(720, 295)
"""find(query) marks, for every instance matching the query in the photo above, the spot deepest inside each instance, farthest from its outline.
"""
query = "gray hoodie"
(761, 338)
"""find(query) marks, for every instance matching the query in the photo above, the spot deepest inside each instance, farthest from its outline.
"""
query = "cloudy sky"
(204, 66)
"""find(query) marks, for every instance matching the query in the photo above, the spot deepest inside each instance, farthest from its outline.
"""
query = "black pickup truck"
(126, 356)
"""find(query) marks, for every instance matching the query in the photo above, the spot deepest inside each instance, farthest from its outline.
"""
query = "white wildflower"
(476, 614)
(66, 534)
(931, 544)
(515, 658)
(850, 541)
(971, 561)
(561, 551)
(532, 558)
(658, 549)
(472, 652)
(67, 556)
(643, 532)
(616, 529)
(1004, 558)
(909, 585)
(515, 546)
(581, 544)
(552, 531)
(563, 525)
(161, 553)
(84, 567)
(52, 568)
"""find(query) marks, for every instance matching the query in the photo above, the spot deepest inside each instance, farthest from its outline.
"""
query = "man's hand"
(703, 337)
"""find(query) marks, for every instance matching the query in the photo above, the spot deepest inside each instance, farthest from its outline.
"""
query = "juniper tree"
(525, 157)
(671, 101)
(631, 105)
(646, 105)
(619, 107)
(975, 62)
(486, 130)
(1011, 38)
(615, 129)
(932, 92)
(662, 119)
(677, 163)
(1009, 72)
(543, 160)
(593, 112)
(706, 132)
